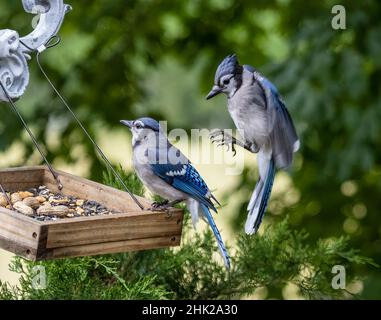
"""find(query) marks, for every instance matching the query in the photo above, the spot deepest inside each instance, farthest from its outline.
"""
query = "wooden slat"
(19, 234)
(16, 179)
(18, 228)
(86, 189)
(115, 227)
(111, 247)
(18, 248)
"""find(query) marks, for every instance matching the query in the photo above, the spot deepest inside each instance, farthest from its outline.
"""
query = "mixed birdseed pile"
(43, 205)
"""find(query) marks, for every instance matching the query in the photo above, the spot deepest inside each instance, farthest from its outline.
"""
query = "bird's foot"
(165, 205)
(222, 138)
(159, 206)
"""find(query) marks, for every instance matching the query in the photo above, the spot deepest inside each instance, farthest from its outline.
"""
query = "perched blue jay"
(259, 112)
(168, 173)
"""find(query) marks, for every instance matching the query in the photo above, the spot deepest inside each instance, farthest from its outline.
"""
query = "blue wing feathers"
(161, 169)
(278, 103)
(190, 182)
(283, 134)
(271, 87)
(194, 193)
(193, 177)
(280, 106)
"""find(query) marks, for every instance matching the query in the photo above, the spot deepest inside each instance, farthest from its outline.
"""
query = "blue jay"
(260, 113)
(168, 173)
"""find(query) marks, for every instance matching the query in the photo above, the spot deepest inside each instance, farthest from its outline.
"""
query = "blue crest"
(150, 123)
(229, 65)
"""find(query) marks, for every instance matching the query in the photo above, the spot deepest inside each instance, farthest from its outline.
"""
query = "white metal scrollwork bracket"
(14, 51)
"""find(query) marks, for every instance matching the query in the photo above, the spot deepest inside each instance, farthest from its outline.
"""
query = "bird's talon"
(234, 150)
(159, 208)
(215, 134)
(155, 206)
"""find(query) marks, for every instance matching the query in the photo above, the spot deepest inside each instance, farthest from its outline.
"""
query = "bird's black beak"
(127, 123)
(215, 91)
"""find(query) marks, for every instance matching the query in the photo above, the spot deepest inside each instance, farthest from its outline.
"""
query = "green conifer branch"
(273, 260)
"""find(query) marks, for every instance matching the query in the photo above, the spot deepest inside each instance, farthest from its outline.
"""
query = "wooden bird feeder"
(129, 229)
(132, 227)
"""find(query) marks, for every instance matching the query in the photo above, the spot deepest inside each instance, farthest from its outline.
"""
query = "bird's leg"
(173, 203)
(162, 206)
(158, 204)
(252, 147)
(228, 140)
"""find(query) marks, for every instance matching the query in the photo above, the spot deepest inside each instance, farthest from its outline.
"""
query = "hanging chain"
(108, 163)
(13, 105)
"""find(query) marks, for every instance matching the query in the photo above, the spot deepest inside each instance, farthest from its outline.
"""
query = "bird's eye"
(138, 126)
(226, 81)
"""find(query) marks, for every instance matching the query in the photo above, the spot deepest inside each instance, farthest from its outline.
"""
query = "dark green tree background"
(118, 58)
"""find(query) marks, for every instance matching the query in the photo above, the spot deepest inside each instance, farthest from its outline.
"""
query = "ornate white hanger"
(14, 71)
(14, 51)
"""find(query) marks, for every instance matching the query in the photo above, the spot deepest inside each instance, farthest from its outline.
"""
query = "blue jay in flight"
(168, 173)
(260, 113)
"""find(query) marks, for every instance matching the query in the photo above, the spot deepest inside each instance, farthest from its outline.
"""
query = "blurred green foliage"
(280, 258)
(122, 59)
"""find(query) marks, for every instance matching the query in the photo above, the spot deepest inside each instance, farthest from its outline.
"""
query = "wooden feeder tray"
(130, 229)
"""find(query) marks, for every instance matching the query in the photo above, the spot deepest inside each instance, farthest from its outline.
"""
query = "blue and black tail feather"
(258, 203)
(266, 194)
(217, 234)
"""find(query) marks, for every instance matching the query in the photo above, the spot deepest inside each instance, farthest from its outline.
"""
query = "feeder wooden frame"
(130, 229)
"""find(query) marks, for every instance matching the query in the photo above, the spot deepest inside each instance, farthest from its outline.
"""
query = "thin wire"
(6, 196)
(48, 45)
(51, 44)
(108, 163)
(26, 46)
(13, 105)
